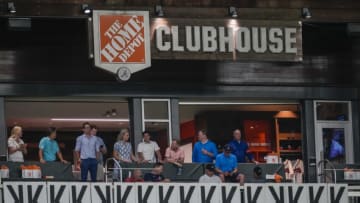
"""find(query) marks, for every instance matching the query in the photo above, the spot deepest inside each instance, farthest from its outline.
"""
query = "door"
(334, 142)
(333, 135)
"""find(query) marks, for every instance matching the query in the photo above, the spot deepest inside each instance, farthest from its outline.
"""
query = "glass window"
(334, 144)
(156, 110)
(332, 111)
(159, 132)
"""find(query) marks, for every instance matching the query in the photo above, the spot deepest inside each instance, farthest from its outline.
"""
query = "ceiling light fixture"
(159, 11)
(233, 12)
(11, 7)
(85, 8)
(305, 13)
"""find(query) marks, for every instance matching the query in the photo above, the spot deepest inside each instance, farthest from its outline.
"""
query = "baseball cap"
(210, 167)
(227, 148)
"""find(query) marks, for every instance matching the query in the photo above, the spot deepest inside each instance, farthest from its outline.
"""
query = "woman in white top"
(16, 146)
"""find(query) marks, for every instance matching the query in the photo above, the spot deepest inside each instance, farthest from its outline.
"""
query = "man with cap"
(209, 176)
(226, 166)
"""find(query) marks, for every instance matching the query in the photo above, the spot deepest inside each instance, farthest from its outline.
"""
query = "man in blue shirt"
(240, 148)
(49, 148)
(87, 148)
(226, 167)
(204, 150)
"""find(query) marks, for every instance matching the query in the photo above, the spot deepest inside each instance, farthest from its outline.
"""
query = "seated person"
(156, 174)
(209, 176)
(175, 155)
(136, 177)
(226, 167)
(257, 175)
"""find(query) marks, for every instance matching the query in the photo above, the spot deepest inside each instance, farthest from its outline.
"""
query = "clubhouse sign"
(128, 40)
(76, 192)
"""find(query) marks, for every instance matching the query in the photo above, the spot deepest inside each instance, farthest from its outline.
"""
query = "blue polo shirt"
(240, 150)
(226, 163)
(199, 157)
(49, 147)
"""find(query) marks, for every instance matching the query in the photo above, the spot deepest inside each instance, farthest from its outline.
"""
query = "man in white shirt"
(148, 150)
(209, 176)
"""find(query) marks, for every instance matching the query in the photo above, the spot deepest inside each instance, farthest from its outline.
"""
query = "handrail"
(323, 163)
(107, 168)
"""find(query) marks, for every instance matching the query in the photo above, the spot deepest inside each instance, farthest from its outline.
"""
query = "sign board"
(75, 192)
(121, 41)
(126, 41)
(226, 39)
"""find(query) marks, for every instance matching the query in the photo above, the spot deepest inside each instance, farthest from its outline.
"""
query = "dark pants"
(88, 165)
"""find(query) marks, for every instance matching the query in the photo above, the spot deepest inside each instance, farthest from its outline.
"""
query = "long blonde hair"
(122, 133)
(15, 130)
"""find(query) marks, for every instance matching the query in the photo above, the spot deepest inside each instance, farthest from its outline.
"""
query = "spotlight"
(85, 9)
(159, 11)
(233, 12)
(305, 13)
(113, 112)
(11, 7)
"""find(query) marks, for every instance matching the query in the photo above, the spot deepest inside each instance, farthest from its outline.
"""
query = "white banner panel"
(25, 192)
(58, 192)
(229, 193)
(337, 193)
(80, 192)
(102, 192)
(125, 192)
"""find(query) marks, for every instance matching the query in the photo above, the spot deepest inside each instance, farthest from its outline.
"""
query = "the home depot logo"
(121, 41)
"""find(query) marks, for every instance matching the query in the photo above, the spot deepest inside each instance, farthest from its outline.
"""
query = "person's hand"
(204, 151)
(144, 161)
(161, 161)
(42, 161)
(226, 174)
(256, 162)
(64, 161)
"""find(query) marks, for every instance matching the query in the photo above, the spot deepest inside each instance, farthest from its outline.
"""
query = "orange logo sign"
(122, 39)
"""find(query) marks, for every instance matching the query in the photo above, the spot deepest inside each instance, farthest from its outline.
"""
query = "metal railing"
(119, 167)
(322, 169)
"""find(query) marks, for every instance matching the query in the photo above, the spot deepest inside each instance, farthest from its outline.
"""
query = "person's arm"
(182, 157)
(61, 158)
(23, 148)
(12, 148)
(77, 150)
(41, 158)
(194, 154)
(249, 155)
(158, 155)
(217, 166)
(157, 152)
(103, 149)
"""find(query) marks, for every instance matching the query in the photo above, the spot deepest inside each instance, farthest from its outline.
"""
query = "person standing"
(148, 150)
(240, 148)
(175, 155)
(101, 144)
(87, 150)
(226, 167)
(204, 150)
(16, 146)
(49, 148)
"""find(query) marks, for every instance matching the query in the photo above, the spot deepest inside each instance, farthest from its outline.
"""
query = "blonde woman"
(123, 151)
(16, 146)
